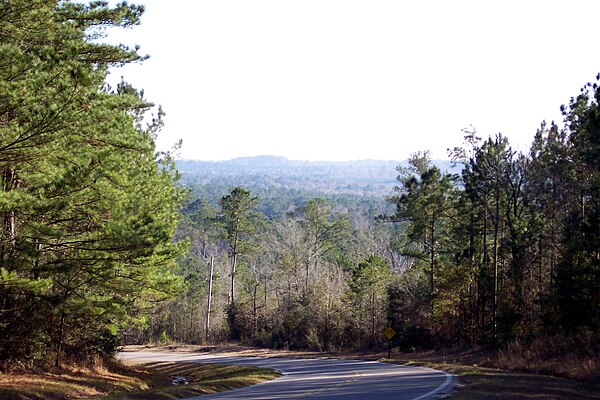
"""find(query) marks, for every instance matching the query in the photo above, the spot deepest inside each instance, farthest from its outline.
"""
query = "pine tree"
(88, 208)
(237, 212)
(426, 200)
(578, 272)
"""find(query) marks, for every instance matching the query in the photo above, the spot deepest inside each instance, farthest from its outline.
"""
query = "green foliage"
(426, 199)
(370, 276)
(408, 309)
(238, 218)
(578, 272)
(88, 209)
(517, 251)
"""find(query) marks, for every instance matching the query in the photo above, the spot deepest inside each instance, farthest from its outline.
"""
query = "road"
(322, 378)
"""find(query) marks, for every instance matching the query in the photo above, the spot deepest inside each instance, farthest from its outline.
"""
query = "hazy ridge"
(361, 177)
(282, 184)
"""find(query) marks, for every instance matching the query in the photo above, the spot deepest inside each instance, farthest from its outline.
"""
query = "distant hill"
(356, 177)
(363, 177)
(283, 184)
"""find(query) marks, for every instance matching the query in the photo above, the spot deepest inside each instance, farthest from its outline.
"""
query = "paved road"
(322, 378)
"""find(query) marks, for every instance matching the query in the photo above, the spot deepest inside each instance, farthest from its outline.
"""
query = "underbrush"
(575, 356)
(95, 377)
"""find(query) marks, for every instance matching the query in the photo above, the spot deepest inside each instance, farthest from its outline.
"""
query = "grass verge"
(493, 384)
(142, 381)
(477, 382)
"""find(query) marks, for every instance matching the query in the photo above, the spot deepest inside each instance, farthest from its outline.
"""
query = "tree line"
(507, 248)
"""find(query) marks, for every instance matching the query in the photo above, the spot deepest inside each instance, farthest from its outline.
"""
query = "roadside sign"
(389, 332)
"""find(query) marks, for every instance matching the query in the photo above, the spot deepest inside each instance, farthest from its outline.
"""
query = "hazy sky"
(350, 79)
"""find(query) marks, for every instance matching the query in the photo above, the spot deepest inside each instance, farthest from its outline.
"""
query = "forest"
(104, 243)
(503, 246)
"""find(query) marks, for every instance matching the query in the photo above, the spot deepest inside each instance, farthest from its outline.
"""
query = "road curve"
(321, 378)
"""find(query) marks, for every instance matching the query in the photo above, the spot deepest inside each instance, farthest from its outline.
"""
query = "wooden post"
(210, 279)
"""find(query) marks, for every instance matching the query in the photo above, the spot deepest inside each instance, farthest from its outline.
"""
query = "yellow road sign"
(389, 332)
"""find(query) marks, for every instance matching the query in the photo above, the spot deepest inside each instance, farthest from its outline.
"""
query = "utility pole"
(210, 279)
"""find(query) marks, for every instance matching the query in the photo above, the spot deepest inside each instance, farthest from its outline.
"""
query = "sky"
(357, 79)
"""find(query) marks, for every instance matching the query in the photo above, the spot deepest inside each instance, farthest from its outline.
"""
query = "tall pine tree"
(88, 209)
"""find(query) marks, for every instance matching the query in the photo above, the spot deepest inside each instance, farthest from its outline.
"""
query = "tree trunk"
(233, 266)
(484, 283)
(306, 285)
(265, 313)
(208, 303)
(432, 261)
(373, 319)
(234, 254)
(10, 217)
(61, 328)
(495, 261)
(255, 308)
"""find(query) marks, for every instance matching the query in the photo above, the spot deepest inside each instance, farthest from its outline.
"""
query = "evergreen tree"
(88, 210)
(369, 280)
(578, 272)
(236, 217)
(426, 200)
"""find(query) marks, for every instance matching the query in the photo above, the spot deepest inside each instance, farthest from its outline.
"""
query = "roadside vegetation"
(487, 374)
(112, 381)
(88, 208)
(480, 383)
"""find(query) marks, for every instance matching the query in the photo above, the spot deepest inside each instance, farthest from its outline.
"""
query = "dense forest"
(100, 244)
(503, 246)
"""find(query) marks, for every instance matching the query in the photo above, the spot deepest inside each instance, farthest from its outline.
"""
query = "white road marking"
(438, 389)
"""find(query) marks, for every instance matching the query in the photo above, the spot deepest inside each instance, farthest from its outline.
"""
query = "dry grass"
(115, 381)
(69, 382)
(202, 378)
(226, 349)
(575, 357)
(479, 383)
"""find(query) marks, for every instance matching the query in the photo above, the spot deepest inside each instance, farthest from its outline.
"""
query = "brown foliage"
(576, 356)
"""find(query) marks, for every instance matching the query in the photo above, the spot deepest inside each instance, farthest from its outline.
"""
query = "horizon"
(273, 156)
(366, 81)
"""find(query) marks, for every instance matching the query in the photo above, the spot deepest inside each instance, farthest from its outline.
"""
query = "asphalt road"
(322, 378)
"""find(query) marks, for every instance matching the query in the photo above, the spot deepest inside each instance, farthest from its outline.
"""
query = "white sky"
(358, 79)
